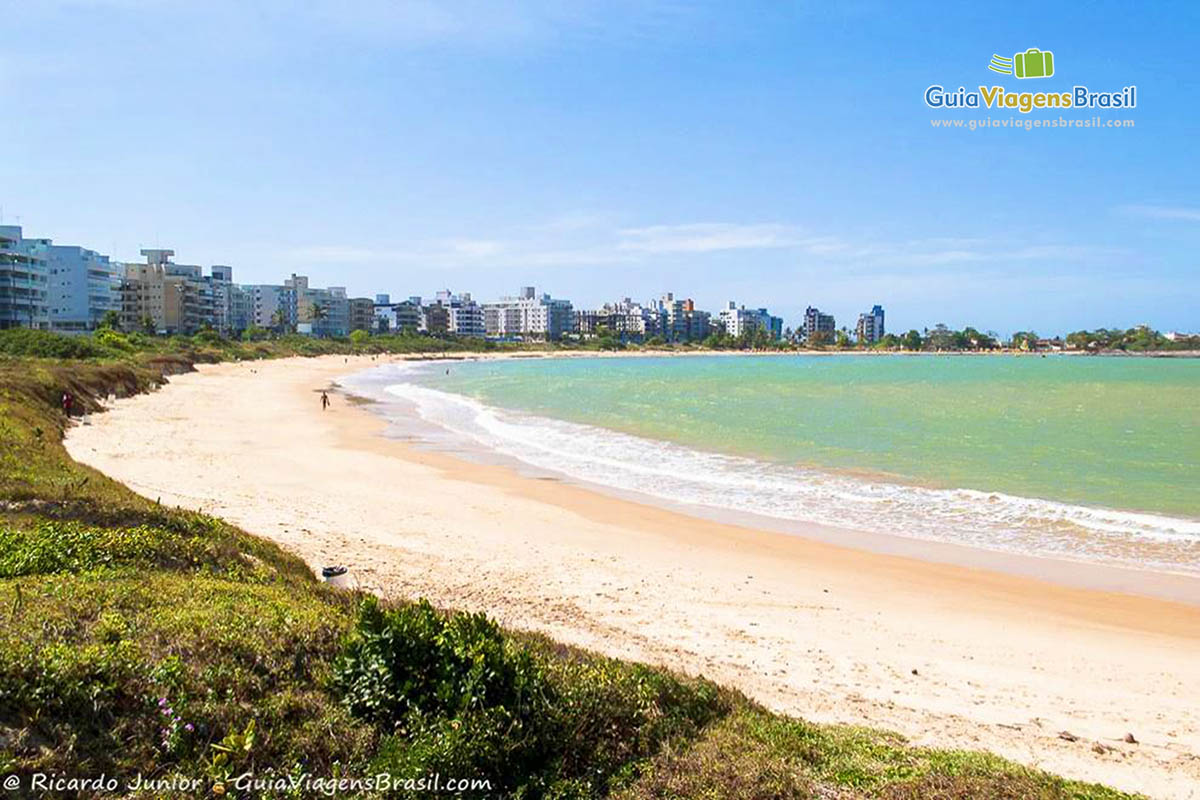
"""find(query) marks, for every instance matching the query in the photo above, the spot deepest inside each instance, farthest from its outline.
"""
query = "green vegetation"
(145, 639)
(107, 343)
(1136, 339)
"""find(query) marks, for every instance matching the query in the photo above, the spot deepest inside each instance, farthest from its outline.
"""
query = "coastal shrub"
(53, 546)
(45, 344)
(160, 538)
(411, 662)
(107, 671)
(113, 340)
(209, 337)
(459, 696)
(609, 715)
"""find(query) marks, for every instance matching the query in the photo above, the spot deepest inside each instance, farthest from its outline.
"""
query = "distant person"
(68, 403)
(324, 401)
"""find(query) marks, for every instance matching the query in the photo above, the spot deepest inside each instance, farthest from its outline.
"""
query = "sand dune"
(947, 655)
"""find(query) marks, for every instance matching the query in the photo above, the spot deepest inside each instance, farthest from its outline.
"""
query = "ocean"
(1092, 459)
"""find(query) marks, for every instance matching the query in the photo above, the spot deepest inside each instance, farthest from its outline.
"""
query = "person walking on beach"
(324, 401)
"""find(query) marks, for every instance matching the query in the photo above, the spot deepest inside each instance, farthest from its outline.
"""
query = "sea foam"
(682, 475)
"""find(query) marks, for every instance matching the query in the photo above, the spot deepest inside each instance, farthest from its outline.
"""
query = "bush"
(208, 336)
(461, 697)
(412, 663)
(44, 344)
(70, 547)
(113, 340)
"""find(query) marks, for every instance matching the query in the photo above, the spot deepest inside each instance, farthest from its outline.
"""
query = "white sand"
(1003, 663)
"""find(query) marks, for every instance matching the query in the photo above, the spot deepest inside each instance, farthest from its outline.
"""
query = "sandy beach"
(947, 655)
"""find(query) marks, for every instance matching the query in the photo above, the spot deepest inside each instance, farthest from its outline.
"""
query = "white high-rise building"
(83, 286)
(739, 321)
(528, 316)
(24, 282)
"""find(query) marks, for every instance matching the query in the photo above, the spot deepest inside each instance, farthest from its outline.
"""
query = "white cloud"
(582, 240)
(707, 237)
(1190, 214)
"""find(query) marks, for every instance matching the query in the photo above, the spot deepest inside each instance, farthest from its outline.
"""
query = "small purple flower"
(162, 701)
(189, 727)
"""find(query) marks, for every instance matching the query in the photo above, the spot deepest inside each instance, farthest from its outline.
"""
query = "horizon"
(778, 158)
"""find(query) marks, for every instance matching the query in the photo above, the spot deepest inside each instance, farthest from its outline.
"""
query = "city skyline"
(611, 151)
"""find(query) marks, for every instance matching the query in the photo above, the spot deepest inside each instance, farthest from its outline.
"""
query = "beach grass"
(145, 639)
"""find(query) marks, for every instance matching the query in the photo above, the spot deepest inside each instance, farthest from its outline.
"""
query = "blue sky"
(779, 156)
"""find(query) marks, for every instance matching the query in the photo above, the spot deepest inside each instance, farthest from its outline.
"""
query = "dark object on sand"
(332, 572)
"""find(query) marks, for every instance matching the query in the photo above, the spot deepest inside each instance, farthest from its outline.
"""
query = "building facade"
(24, 282)
(739, 321)
(272, 307)
(153, 300)
(680, 321)
(626, 320)
(170, 298)
(817, 323)
(241, 308)
(528, 316)
(221, 290)
(870, 326)
(455, 314)
(362, 314)
(83, 286)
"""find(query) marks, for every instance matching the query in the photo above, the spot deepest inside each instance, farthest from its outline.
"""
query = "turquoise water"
(1089, 457)
(1118, 433)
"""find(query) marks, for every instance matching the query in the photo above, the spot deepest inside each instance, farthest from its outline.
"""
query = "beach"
(1043, 671)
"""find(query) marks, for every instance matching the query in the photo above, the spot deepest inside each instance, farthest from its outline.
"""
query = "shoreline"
(1174, 585)
(948, 655)
(666, 353)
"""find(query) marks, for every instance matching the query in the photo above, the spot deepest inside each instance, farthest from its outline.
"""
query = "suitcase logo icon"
(1033, 63)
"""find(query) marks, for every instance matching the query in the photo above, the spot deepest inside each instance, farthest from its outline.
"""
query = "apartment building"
(154, 300)
(739, 321)
(362, 314)
(167, 297)
(680, 320)
(528, 316)
(222, 289)
(407, 316)
(870, 326)
(455, 314)
(24, 282)
(271, 306)
(816, 323)
(83, 286)
(241, 308)
(317, 312)
(627, 320)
